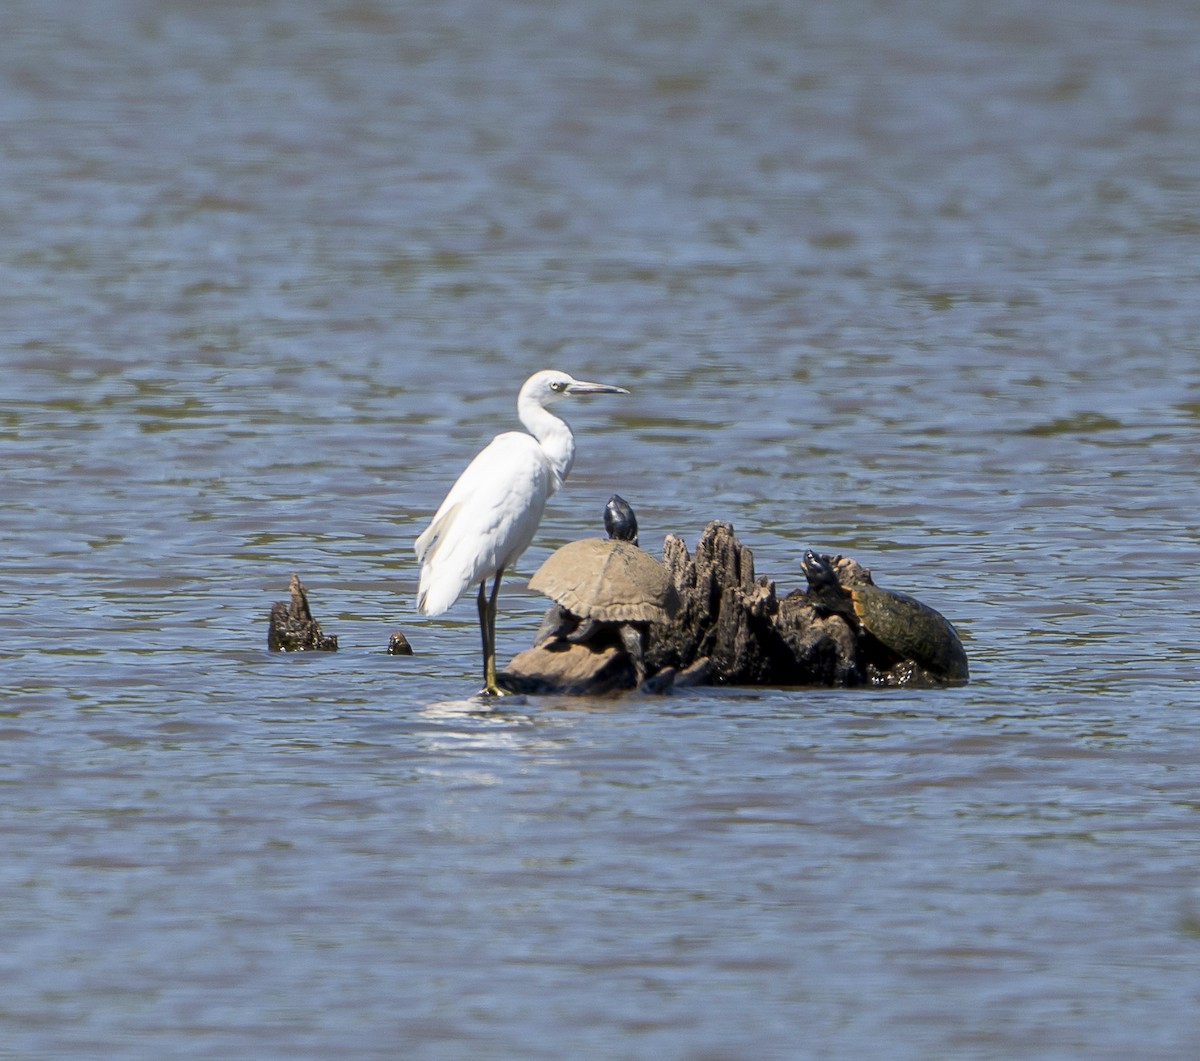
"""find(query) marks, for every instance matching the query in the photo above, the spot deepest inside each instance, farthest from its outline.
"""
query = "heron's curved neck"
(552, 433)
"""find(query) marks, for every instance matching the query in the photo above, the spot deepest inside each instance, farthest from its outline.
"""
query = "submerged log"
(293, 628)
(731, 628)
(562, 666)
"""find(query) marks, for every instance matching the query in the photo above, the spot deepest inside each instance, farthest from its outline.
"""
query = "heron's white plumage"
(492, 512)
(487, 521)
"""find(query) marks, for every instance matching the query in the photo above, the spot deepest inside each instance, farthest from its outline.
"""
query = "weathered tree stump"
(732, 629)
(822, 650)
(293, 628)
(733, 619)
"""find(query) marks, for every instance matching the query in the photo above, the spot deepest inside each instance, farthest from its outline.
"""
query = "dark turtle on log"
(905, 630)
(601, 585)
(620, 522)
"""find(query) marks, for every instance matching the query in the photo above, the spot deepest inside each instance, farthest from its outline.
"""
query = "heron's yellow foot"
(491, 687)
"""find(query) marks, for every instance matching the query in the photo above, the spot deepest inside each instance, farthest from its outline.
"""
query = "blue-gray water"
(911, 282)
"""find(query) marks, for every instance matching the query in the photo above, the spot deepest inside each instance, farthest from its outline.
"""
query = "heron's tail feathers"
(441, 584)
(436, 592)
(426, 546)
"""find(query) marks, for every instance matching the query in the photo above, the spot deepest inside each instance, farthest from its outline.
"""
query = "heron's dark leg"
(484, 632)
(489, 645)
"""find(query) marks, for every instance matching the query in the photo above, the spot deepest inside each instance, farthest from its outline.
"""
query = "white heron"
(492, 512)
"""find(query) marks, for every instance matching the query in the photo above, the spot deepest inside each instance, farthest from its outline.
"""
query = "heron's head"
(550, 385)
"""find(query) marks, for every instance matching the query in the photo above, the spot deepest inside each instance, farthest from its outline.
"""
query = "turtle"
(620, 521)
(897, 627)
(602, 585)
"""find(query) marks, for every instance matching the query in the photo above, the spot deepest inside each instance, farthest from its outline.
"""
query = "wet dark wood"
(398, 645)
(562, 666)
(732, 618)
(731, 629)
(293, 628)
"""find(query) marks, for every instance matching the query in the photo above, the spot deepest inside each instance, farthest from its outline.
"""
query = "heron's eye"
(558, 385)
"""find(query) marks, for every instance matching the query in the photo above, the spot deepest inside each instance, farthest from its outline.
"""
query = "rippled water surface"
(914, 283)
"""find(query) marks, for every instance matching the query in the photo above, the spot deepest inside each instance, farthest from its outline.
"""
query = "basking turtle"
(602, 586)
(619, 520)
(904, 629)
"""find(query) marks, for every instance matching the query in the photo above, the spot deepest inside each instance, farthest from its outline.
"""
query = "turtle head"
(818, 569)
(826, 592)
(619, 520)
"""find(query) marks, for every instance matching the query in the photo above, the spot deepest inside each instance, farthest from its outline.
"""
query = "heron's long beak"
(580, 387)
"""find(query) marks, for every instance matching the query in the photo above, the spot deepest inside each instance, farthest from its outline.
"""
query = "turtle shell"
(911, 629)
(613, 581)
(906, 627)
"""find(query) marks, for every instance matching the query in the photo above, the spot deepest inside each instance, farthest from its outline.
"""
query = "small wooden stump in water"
(293, 628)
(398, 645)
